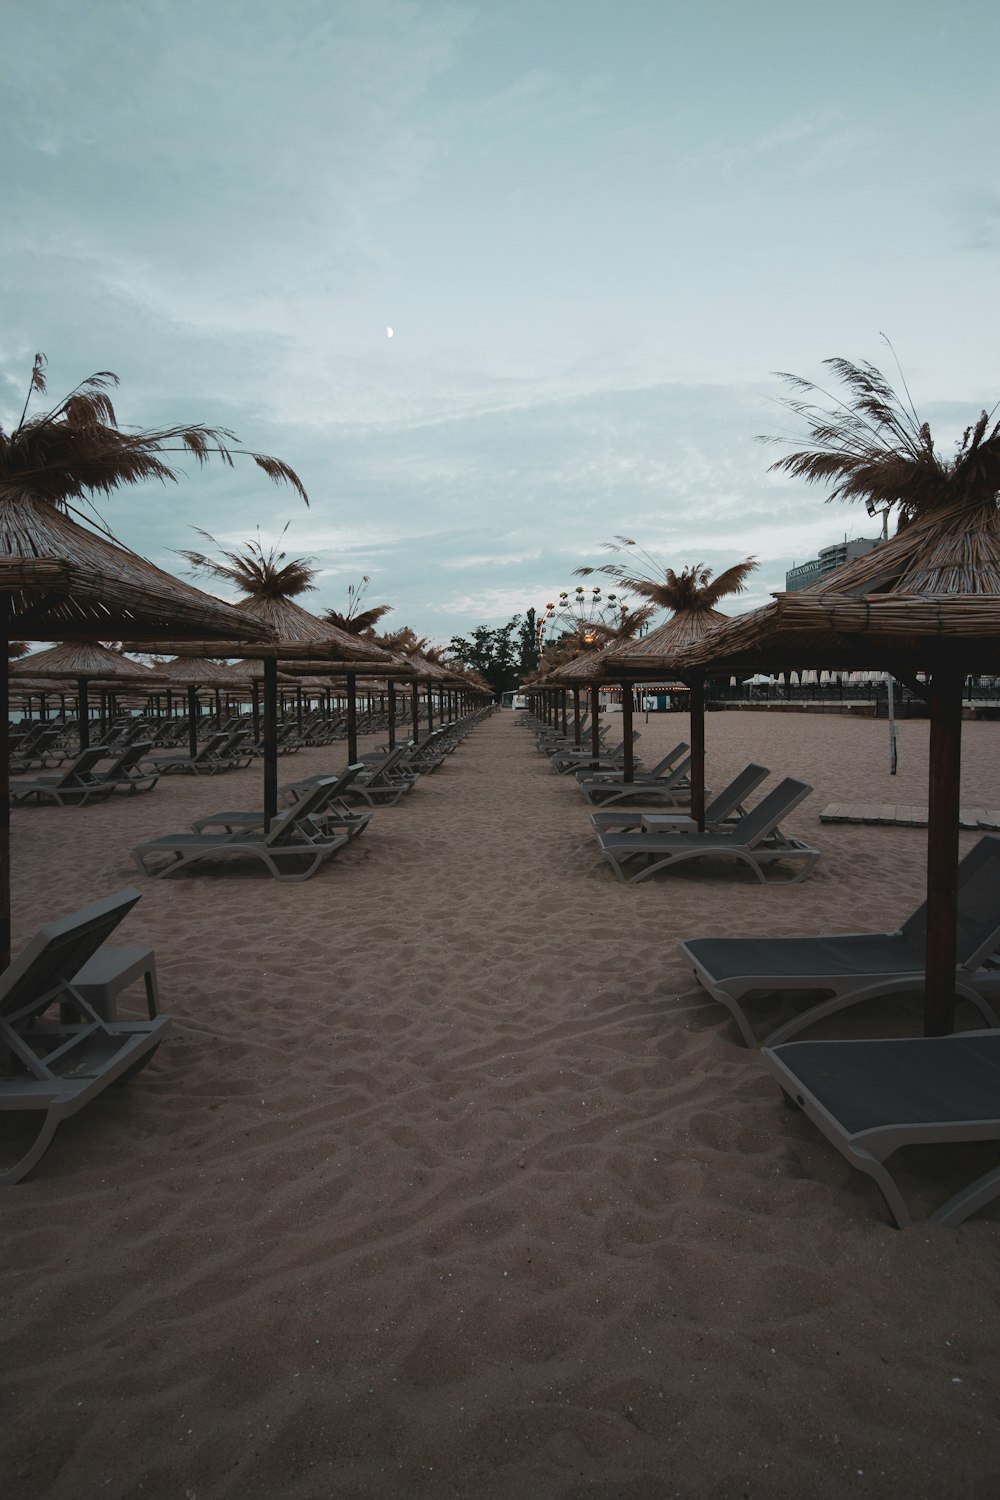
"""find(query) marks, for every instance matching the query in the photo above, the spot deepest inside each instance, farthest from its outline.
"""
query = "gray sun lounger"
(720, 812)
(870, 1098)
(663, 767)
(125, 775)
(580, 759)
(856, 966)
(294, 847)
(673, 788)
(332, 814)
(753, 840)
(77, 784)
(56, 1052)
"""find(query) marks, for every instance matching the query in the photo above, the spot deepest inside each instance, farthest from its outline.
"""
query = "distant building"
(829, 558)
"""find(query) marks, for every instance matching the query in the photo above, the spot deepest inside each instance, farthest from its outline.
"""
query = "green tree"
(495, 653)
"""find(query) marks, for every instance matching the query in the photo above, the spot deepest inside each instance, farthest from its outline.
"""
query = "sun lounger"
(718, 813)
(663, 767)
(870, 1098)
(671, 784)
(125, 775)
(635, 856)
(73, 787)
(293, 848)
(330, 813)
(565, 761)
(56, 1051)
(222, 751)
(844, 970)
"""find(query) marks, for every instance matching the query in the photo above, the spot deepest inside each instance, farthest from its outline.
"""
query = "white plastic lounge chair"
(749, 841)
(56, 1051)
(721, 811)
(856, 966)
(869, 1098)
(75, 786)
(294, 847)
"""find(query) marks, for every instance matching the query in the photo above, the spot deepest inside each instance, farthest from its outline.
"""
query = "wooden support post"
(696, 683)
(352, 718)
(576, 717)
(192, 719)
(628, 764)
(943, 798)
(270, 740)
(392, 713)
(595, 708)
(83, 713)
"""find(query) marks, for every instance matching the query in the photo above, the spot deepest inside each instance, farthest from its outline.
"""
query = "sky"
(596, 231)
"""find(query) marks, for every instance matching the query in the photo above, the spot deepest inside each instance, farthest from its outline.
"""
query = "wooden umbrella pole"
(563, 697)
(352, 718)
(192, 719)
(576, 717)
(270, 740)
(255, 709)
(83, 713)
(430, 708)
(595, 708)
(628, 764)
(5, 788)
(392, 713)
(696, 685)
(415, 709)
(944, 795)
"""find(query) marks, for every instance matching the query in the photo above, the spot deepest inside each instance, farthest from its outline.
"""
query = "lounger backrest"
(391, 760)
(129, 758)
(978, 906)
(667, 762)
(82, 766)
(736, 792)
(213, 745)
(765, 817)
(282, 830)
(60, 949)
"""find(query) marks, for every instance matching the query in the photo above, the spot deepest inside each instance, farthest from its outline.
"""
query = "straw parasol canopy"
(63, 581)
(927, 599)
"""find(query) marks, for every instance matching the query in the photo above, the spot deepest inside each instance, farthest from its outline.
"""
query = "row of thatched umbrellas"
(64, 582)
(926, 601)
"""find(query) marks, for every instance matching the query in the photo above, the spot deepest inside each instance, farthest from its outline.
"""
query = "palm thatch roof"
(66, 582)
(929, 594)
(294, 632)
(83, 659)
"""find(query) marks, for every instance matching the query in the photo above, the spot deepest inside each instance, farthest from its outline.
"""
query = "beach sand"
(450, 1181)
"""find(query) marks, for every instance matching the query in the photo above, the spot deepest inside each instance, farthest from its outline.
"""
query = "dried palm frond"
(692, 588)
(872, 446)
(77, 448)
(258, 573)
(358, 621)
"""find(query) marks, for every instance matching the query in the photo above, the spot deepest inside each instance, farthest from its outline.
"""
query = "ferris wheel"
(581, 613)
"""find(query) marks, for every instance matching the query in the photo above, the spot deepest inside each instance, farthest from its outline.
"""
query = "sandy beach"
(450, 1181)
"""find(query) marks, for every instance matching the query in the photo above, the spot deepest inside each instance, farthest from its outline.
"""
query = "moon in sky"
(388, 333)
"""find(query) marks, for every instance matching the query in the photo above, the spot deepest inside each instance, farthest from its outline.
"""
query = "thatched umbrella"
(927, 599)
(270, 582)
(692, 595)
(60, 581)
(84, 662)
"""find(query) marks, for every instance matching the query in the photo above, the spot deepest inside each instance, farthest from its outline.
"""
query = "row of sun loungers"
(869, 1097)
(60, 1044)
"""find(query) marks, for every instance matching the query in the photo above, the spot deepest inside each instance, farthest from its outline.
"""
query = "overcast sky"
(595, 227)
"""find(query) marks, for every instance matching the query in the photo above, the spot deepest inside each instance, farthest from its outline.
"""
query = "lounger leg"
(865, 1162)
(35, 1152)
(976, 1195)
